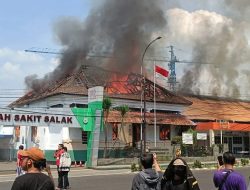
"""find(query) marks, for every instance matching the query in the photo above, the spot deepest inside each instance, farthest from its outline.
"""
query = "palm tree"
(106, 108)
(123, 110)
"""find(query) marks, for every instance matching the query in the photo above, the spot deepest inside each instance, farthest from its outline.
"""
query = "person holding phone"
(148, 178)
(33, 162)
(220, 161)
(225, 177)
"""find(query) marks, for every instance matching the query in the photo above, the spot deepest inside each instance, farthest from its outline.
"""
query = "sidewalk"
(10, 167)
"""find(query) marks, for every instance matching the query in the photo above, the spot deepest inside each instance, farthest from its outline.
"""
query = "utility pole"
(143, 92)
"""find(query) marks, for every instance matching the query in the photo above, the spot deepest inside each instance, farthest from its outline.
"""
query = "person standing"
(148, 178)
(226, 178)
(64, 168)
(33, 162)
(57, 156)
(178, 176)
(19, 170)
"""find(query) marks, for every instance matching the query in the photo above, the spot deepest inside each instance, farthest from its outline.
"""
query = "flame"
(118, 84)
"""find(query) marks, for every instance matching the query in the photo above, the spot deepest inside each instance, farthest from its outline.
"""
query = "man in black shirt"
(33, 162)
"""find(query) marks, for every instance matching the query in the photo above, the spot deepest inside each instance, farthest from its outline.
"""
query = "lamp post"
(143, 90)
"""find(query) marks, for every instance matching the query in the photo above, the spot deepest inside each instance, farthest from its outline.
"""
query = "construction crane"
(48, 51)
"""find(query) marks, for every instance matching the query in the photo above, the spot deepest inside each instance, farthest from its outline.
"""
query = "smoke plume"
(117, 27)
(219, 48)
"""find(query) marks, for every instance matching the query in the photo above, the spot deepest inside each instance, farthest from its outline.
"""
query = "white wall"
(55, 137)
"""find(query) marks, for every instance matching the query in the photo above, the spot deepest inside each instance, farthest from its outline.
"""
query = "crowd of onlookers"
(177, 176)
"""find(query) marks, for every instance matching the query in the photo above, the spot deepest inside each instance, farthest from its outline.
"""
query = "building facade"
(162, 123)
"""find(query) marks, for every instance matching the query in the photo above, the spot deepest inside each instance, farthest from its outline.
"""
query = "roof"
(125, 87)
(215, 108)
(204, 126)
(161, 118)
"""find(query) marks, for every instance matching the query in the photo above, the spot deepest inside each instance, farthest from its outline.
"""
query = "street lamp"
(143, 125)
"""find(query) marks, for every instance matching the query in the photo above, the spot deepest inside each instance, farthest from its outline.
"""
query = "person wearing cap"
(33, 162)
(148, 178)
(178, 176)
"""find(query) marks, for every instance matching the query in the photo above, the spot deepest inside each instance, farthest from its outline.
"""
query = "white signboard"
(201, 136)
(187, 138)
(62, 117)
(6, 130)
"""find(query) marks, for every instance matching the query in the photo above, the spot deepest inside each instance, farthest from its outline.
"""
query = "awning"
(161, 118)
(225, 127)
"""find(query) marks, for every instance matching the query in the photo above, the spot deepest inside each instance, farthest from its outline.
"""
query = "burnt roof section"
(116, 85)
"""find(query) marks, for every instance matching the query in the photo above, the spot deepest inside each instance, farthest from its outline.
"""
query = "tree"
(123, 110)
(107, 103)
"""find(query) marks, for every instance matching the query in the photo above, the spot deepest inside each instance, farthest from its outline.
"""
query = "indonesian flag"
(161, 71)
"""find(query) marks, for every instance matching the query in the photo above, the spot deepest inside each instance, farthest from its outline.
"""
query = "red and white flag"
(161, 71)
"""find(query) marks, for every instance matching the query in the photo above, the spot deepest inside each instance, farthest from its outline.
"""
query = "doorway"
(136, 134)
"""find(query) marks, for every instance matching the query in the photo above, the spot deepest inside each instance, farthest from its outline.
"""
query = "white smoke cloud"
(185, 27)
(210, 38)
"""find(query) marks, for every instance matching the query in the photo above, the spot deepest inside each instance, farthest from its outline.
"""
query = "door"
(230, 144)
(136, 134)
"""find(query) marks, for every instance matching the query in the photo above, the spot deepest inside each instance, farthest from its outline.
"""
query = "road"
(115, 179)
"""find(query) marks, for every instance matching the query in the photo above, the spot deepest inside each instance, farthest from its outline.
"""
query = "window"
(217, 140)
(17, 133)
(246, 141)
(237, 140)
(33, 133)
(225, 140)
(164, 132)
(114, 131)
(84, 137)
(57, 106)
(237, 150)
(74, 105)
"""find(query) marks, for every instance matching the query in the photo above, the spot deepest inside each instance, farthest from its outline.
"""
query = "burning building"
(122, 131)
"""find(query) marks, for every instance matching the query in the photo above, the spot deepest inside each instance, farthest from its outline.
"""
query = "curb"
(112, 167)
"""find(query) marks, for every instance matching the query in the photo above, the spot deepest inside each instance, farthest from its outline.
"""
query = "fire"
(118, 84)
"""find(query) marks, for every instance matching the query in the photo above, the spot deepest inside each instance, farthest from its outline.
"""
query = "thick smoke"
(121, 28)
(239, 9)
(219, 47)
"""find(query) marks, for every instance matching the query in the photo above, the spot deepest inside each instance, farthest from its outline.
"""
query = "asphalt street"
(115, 179)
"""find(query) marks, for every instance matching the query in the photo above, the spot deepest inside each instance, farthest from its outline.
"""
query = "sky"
(24, 25)
(206, 31)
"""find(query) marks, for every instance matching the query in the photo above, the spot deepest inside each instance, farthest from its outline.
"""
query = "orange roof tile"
(212, 109)
(217, 126)
(161, 118)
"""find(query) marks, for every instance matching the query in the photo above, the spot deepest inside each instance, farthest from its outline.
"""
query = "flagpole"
(154, 107)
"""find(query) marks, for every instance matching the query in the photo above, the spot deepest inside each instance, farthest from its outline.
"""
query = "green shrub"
(176, 140)
(244, 161)
(133, 167)
(197, 164)
(139, 168)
